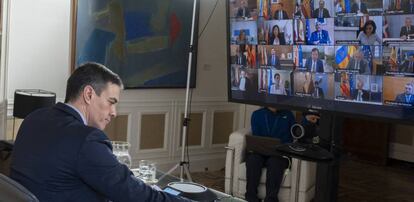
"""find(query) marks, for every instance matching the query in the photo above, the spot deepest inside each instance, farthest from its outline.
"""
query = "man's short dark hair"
(93, 74)
(315, 49)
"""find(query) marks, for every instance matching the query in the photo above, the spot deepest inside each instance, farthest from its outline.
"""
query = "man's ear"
(87, 94)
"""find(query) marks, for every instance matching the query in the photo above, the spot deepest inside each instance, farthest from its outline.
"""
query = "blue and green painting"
(146, 42)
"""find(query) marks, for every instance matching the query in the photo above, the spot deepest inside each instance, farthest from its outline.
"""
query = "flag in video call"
(343, 55)
(307, 4)
(367, 54)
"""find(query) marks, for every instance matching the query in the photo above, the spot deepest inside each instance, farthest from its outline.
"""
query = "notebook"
(262, 145)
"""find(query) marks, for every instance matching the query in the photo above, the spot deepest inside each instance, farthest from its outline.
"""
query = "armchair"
(235, 174)
(12, 191)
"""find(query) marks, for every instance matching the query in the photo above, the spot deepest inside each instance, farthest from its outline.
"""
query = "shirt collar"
(80, 114)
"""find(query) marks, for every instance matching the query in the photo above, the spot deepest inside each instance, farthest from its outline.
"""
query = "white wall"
(38, 52)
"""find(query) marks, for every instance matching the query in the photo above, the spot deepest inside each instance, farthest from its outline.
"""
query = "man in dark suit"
(408, 65)
(407, 31)
(273, 60)
(358, 63)
(407, 96)
(280, 14)
(359, 7)
(319, 36)
(243, 11)
(321, 12)
(359, 94)
(240, 58)
(62, 154)
(314, 64)
(318, 92)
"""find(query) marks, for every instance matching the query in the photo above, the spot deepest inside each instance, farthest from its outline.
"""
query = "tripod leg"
(169, 171)
(187, 172)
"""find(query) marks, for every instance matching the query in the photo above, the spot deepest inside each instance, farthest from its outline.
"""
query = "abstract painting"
(146, 42)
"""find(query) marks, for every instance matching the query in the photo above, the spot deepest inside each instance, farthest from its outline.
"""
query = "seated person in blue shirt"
(268, 122)
(320, 36)
(62, 153)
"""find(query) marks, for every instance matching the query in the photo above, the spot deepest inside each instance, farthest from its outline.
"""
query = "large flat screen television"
(348, 56)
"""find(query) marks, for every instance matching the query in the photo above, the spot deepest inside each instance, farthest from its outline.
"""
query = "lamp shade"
(28, 100)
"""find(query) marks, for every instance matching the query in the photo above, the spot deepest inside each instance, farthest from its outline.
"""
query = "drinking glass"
(147, 170)
(121, 150)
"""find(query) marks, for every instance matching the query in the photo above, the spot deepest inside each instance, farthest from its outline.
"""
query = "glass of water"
(121, 150)
(147, 170)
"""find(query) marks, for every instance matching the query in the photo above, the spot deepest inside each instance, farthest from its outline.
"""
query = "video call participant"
(407, 31)
(242, 38)
(277, 37)
(62, 154)
(407, 96)
(243, 82)
(321, 12)
(240, 58)
(243, 11)
(308, 84)
(319, 36)
(318, 92)
(273, 60)
(408, 65)
(277, 88)
(268, 122)
(359, 94)
(314, 64)
(280, 14)
(359, 7)
(358, 63)
(368, 34)
(338, 6)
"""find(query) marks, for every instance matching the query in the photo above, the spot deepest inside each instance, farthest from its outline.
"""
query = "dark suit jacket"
(319, 65)
(276, 15)
(365, 94)
(324, 11)
(363, 66)
(269, 62)
(404, 32)
(58, 158)
(237, 59)
(282, 40)
(246, 12)
(318, 91)
(401, 98)
(324, 39)
(354, 8)
(405, 67)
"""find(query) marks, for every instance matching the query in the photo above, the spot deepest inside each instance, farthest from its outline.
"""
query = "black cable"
(188, 129)
(208, 19)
